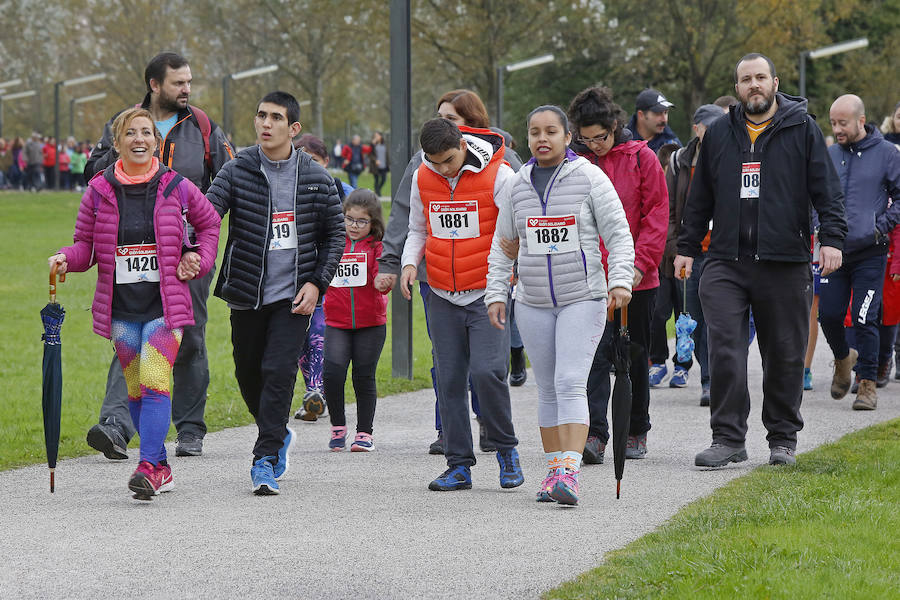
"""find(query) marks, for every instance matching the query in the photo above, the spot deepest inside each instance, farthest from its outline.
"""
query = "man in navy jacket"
(869, 169)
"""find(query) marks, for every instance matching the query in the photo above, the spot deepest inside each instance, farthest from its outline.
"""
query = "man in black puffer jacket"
(285, 238)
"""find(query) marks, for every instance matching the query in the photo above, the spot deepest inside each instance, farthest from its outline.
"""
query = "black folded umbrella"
(52, 317)
(622, 355)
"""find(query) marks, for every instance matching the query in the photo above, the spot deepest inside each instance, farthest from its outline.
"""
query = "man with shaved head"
(869, 169)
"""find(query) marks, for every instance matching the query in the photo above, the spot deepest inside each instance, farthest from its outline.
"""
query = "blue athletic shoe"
(510, 471)
(807, 379)
(263, 477)
(281, 466)
(454, 478)
(657, 374)
(679, 378)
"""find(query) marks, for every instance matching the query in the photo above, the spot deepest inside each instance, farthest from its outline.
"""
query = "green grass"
(365, 180)
(34, 226)
(827, 528)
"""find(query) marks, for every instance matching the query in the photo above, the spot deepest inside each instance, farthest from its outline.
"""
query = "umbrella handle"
(684, 291)
(62, 278)
(625, 317)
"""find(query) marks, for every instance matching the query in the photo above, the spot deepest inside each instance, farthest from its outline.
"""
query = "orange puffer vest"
(460, 265)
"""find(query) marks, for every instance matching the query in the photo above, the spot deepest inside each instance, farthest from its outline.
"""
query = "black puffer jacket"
(241, 188)
(796, 172)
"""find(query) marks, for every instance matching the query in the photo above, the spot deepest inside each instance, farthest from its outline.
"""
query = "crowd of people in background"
(511, 258)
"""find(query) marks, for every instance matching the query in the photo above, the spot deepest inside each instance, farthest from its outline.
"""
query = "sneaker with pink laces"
(362, 443)
(543, 494)
(565, 490)
(338, 438)
(150, 480)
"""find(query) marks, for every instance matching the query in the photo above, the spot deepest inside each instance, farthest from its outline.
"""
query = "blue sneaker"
(281, 466)
(454, 478)
(679, 378)
(263, 477)
(657, 374)
(807, 379)
(510, 471)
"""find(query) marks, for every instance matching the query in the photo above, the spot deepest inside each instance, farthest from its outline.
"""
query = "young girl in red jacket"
(355, 317)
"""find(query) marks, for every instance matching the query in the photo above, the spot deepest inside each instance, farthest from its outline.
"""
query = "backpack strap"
(205, 130)
(171, 188)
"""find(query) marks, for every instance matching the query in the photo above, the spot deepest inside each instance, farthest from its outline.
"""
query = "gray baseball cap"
(707, 113)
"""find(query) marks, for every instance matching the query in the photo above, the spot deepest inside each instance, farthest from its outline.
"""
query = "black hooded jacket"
(795, 172)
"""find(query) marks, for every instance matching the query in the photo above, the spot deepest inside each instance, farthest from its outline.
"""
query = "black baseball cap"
(651, 99)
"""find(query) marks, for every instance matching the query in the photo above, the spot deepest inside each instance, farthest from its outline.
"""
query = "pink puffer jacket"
(96, 234)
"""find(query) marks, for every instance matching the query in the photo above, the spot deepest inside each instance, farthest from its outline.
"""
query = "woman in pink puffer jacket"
(132, 223)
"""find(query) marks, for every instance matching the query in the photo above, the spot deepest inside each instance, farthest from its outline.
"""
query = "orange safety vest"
(460, 265)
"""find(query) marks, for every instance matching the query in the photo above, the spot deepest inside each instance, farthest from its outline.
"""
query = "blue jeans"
(864, 278)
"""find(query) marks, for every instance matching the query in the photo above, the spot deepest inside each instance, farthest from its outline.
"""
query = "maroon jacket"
(358, 307)
(641, 186)
(96, 236)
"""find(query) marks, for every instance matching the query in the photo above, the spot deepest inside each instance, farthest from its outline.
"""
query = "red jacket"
(49, 155)
(891, 294)
(358, 307)
(96, 235)
(641, 186)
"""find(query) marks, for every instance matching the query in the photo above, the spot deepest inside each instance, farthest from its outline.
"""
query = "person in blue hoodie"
(650, 120)
(869, 170)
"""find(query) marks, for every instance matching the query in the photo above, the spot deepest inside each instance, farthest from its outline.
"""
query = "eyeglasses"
(357, 222)
(597, 139)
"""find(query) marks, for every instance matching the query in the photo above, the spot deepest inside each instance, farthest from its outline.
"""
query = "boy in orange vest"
(453, 211)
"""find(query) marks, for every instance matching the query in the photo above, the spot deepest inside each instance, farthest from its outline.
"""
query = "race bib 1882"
(284, 231)
(750, 180)
(351, 271)
(551, 235)
(136, 263)
(454, 220)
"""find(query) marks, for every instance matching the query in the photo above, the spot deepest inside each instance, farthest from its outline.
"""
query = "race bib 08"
(750, 180)
(454, 220)
(284, 231)
(136, 263)
(551, 235)
(351, 271)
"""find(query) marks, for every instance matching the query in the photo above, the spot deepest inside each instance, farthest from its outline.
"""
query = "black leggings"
(363, 347)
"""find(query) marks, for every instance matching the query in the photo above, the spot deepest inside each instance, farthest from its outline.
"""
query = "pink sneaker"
(362, 443)
(565, 490)
(546, 486)
(338, 438)
(150, 480)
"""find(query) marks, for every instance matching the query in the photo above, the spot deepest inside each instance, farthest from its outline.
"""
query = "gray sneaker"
(108, 438)
(594, 450)
(636, 446)
(782, 455)
(719, 455)
(188, 445)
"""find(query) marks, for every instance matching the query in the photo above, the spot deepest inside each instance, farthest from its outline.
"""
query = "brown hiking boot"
(884, 375)
(843, 368)
(867, 398)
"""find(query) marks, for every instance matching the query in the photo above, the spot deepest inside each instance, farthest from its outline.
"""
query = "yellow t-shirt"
(754, 129)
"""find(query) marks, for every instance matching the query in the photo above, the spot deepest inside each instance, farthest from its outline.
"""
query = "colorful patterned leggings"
(313, 352)
(147, 351)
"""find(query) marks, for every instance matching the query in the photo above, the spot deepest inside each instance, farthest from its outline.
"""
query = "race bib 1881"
(454, 220)
(551, 235)
(284, 231)
(351, 271)
(136, 263)
(750, 180)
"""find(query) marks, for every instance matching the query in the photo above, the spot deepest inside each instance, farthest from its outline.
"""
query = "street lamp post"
(826, 51)
(56, 86)
(5, 96)
(517, 66)
(81, 100)
(226, 88)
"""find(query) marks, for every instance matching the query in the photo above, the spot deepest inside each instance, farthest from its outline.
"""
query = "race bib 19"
(136, 263)
(551, 235)
(284, 231)
(351, 271)
(750, 180)
(454, 220)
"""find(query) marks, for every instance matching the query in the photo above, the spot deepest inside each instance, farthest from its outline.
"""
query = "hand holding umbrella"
(52, 317)
(684, 327)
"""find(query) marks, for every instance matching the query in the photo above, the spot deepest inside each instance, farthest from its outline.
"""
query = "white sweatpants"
(561, 343)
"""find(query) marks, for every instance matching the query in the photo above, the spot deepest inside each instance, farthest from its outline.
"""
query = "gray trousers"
(465, 343)
(191, 375)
